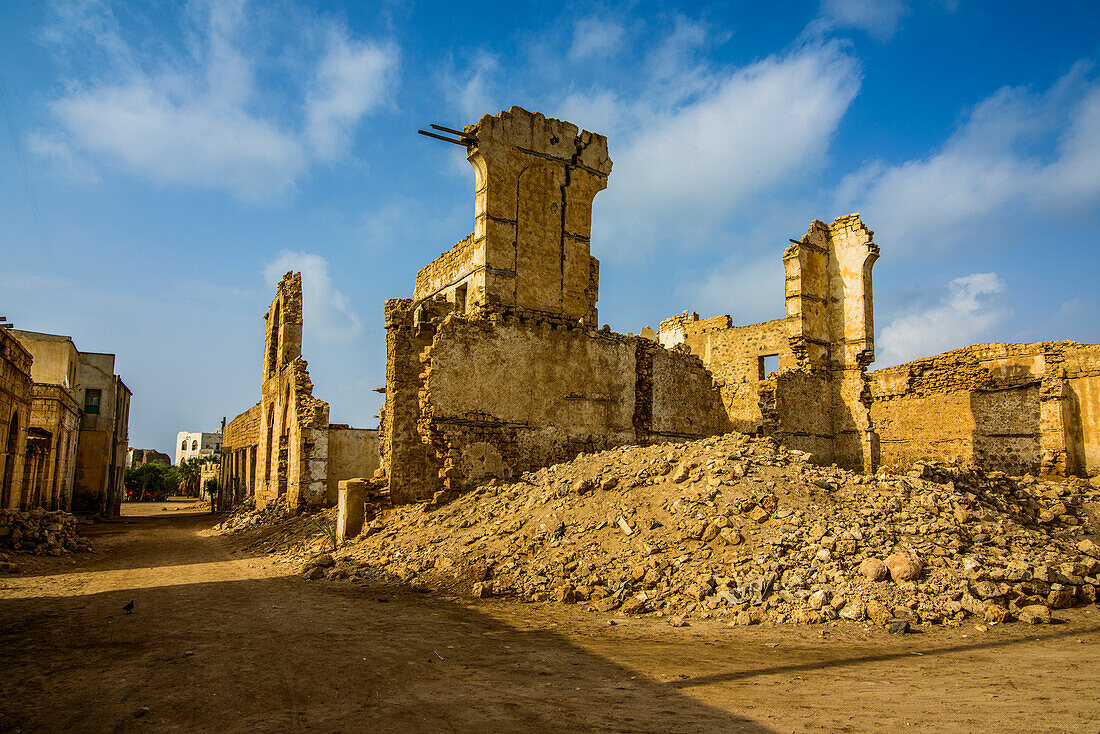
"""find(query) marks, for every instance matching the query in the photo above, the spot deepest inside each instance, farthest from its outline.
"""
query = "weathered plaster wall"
(822, 348)
(1010, 407)
(501, 395)
(55, 357)
(103, 436)
(352, 453)
(16, 396)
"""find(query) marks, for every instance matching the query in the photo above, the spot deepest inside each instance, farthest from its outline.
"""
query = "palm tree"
(189, 477)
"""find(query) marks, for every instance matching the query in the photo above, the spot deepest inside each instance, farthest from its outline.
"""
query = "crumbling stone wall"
(496, 366)
(240, 453)
(16, 395)
(1009, 407)
(818, 401)
(293, 448)
(280, 447)
(530, 248)
(56, 414)
(513, 392)
(735, 355)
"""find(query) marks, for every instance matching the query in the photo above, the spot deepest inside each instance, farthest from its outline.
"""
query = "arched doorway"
(9, 460)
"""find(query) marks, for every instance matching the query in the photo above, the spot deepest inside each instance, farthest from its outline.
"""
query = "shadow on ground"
(285, 655)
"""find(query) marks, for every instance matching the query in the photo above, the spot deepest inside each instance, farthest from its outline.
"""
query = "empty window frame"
(91, 401)
(766, 364)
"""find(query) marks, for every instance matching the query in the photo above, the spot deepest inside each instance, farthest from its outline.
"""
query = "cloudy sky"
(162, 164)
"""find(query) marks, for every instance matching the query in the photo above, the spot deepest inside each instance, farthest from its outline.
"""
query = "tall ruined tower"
(530, 249)
(831, 327)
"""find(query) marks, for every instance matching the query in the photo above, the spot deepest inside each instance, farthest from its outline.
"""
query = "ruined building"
(55, 417)
(16, 395)
(140, 457)
(284, 446)
(67, 451)
(496, 365)
(1016, 408)
(818, 399)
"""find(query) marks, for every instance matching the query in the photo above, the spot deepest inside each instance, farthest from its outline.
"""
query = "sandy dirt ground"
(223, 641)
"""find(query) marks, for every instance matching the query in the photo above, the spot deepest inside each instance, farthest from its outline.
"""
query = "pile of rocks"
(41, 531)
(741, 529)
(278, 529)
(245, 516)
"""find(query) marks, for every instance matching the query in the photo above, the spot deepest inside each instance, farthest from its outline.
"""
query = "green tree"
(188, 472)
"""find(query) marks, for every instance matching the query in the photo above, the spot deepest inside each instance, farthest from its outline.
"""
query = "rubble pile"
(278, 529)
(246, 516)
(738, 528)
(41, 531)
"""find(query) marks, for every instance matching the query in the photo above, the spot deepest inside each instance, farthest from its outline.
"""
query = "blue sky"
(162, 164)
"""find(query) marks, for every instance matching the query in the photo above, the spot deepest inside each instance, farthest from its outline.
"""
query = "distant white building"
(194, 445)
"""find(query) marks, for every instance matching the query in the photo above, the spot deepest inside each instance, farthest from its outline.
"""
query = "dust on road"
(221, 640)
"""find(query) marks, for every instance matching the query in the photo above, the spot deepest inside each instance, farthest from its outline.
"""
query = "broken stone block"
(873, 569)
(1034, 614)
(350, 508)
(903, 567)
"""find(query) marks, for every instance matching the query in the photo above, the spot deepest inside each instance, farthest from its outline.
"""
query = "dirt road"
(223, 641)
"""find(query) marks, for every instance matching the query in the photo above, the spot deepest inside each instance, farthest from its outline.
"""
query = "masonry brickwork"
(77, 436)
(496, 365)
(818, 398)
(1009, 407)
(240, 453)
(16, 396)
(280, 447)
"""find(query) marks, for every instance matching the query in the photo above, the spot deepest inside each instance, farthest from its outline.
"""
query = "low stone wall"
(1016, 408)
(502, 393)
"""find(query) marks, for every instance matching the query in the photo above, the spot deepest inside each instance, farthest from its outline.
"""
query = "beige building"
(497, 364)
(192, 445)
(817, 396)
(1010, 407)
(54, 422)
(101, 449)
(16, 396)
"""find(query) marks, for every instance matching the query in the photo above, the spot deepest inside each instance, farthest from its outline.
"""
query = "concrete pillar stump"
(349, 512)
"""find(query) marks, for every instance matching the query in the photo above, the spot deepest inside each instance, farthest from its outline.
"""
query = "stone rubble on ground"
(41, 531)
(739, 529)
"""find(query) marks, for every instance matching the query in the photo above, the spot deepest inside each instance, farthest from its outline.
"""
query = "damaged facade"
(818, 399)
(16, 395)
(284, 447)
(1016, 408)
(66, 449)
(54, 421)
(496, 365)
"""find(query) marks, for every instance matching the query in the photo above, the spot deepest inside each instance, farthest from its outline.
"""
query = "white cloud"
(973, 306)
(595, 38)
(684, 168)
(326, 311)
(879, 18)
(351, 79)
(1016, 151)
(474, 90)
(60, 158)
(203, 118)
